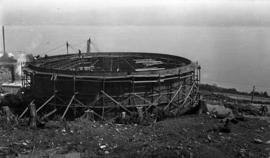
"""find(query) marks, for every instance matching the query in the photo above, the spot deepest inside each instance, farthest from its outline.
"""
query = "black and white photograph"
(135, 78)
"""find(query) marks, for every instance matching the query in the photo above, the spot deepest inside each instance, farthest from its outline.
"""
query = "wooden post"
(33, 115)
(140, 113)
(9, 115)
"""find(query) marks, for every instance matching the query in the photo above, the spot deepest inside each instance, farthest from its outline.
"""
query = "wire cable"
(53, 49)
(96, 48)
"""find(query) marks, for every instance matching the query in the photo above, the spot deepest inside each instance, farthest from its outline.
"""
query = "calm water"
(230, 56)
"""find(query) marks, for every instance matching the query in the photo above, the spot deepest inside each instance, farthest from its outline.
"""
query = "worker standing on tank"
(80, 54)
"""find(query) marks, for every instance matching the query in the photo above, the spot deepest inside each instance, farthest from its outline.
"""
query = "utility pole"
(4, 46)
(5, 56)
(67, 46)
(88, 49)
(252, 97)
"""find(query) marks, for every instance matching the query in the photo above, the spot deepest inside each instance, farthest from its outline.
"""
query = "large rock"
(219, 111)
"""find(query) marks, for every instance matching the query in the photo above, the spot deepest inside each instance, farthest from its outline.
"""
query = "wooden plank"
(70, 102)
(45, 103)
(49, 114)
(116, 102)
(175, 94)
(141, 98)
(25, 110)
(75, 99)
(191, 88)
(155, 102)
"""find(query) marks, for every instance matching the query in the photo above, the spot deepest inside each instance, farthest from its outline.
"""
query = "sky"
(136, 12)
(230, 38)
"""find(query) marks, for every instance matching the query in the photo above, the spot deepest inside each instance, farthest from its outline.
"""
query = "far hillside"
(215, 88)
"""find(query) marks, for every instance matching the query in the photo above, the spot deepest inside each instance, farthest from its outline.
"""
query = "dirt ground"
(189, 136)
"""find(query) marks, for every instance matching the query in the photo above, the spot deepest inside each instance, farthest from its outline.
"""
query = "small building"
(13, 87)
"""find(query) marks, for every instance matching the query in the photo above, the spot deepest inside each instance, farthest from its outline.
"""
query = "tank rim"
(34, 67)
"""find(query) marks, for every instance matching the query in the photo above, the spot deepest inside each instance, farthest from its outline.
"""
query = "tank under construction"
(109, 84)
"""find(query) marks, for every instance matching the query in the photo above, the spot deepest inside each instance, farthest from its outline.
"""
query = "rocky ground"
(243, 133)
(188, 136)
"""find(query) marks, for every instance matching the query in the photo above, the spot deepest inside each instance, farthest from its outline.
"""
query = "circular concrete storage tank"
(113, 81)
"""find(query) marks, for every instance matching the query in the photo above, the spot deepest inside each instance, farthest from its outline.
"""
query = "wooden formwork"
(174, 90)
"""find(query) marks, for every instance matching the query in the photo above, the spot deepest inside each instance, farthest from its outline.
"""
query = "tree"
(265, 94)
